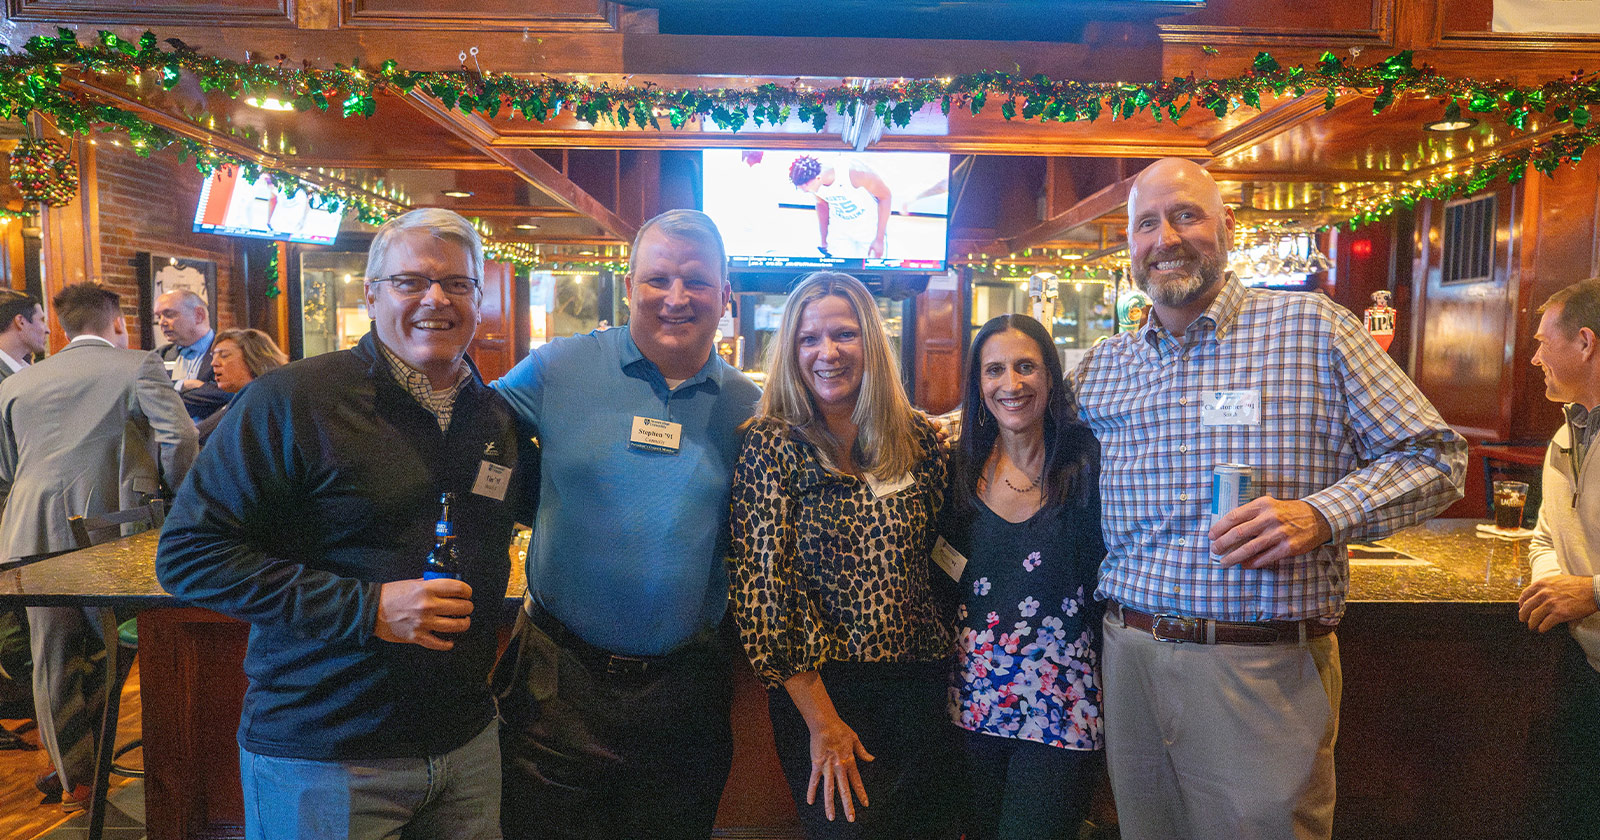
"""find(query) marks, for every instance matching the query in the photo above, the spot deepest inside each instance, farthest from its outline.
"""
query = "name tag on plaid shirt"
(1231, 408)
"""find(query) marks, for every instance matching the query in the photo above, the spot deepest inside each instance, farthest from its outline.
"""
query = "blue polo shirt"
(630, 546)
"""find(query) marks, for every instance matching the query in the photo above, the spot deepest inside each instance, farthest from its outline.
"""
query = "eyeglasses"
(417, 285)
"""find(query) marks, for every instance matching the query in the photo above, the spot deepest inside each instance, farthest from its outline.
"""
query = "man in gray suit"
(91, 429)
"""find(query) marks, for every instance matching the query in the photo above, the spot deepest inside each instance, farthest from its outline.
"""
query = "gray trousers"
(69, 687)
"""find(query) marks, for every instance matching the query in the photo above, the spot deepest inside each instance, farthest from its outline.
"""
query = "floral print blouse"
(1029, 660)
(825, 569)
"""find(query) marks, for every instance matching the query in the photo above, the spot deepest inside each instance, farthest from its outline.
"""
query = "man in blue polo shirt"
(615, 696)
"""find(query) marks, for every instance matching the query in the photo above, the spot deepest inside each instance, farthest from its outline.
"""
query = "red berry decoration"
(43, 171)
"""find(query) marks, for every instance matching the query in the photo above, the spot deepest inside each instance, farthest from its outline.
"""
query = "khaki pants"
(1220, 742)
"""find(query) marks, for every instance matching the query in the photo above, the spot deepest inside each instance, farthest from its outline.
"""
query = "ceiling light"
(269, 103)
(457, 193)
(526, 226)
(1450, 125)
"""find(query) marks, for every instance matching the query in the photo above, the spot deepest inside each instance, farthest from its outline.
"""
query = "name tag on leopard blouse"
(884, 489)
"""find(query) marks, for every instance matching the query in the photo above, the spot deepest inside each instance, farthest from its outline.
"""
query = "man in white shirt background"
(24, 330)
(186, 322)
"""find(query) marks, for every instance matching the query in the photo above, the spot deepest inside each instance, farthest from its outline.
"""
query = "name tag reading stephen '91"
(655, 435)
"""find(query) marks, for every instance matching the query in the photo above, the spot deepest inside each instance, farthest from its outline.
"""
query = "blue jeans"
(455, 796)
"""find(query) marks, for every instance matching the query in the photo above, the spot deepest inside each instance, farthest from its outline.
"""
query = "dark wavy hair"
(1071, 453)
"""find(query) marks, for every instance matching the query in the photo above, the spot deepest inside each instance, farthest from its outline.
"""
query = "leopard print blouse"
(824, 570)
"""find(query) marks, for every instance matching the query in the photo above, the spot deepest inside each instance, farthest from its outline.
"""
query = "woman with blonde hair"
(834, 499)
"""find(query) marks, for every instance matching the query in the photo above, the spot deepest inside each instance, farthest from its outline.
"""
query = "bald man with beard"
(1221, 667)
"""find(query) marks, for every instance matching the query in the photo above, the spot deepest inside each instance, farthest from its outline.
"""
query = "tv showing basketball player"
(862, 211)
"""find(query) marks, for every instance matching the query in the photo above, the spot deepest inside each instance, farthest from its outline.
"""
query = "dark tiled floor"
(124, 819)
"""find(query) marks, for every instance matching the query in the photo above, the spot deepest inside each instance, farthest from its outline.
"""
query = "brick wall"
(147, 205)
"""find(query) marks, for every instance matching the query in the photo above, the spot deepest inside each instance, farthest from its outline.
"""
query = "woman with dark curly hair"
(1025, 513)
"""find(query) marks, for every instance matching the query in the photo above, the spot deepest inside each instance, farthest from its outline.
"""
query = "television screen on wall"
(850, 211)
(234, 206)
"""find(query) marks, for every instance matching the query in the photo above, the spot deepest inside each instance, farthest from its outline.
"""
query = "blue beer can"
(1230, 488)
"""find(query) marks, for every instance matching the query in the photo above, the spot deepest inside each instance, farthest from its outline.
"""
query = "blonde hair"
(887, 444)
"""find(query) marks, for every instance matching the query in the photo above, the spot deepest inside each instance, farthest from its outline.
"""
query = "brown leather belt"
(1166, 627)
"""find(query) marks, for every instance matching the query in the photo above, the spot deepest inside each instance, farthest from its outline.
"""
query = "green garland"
(272, 274)
(31, 81)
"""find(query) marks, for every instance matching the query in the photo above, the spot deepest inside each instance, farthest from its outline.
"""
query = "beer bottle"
(443, 561)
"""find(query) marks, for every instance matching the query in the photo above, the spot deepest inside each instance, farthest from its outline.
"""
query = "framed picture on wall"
(160, 274)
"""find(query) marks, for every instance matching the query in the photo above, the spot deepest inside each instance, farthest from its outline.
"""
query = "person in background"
(237, 358)
(311, 513)
(186, 323)
(93, 429)
(834, 501)
(616, 692)
(854, 204)
(1565, 553)
(24, 330)
(1024, 515)
(1231, 733)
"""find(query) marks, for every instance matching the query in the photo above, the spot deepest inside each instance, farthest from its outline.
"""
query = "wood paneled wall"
(1464, 331)
(1475, 341)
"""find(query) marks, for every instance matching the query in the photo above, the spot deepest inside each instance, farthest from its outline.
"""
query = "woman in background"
(834, 500)
(237, 358)
(1025, 513)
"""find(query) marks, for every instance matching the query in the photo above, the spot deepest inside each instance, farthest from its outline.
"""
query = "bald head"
(1179, 233)
(1170, 173)
(182, 316)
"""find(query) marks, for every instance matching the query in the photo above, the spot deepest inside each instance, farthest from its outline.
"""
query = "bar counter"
(1443, 692)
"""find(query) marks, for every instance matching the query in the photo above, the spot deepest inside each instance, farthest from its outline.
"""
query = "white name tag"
(946, 557)
(492, 481)
(1231, 408)
(655, 435)
(884, 489)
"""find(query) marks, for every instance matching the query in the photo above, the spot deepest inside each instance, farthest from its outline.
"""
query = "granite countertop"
(122, 572)
(1444, 561)
(1441, 561)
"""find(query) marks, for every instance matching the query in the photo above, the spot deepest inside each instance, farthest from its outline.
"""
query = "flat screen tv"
(234, 206)
(849, 211)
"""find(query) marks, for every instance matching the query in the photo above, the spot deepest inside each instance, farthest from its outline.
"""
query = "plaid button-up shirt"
(1341, 427)
(441, 404)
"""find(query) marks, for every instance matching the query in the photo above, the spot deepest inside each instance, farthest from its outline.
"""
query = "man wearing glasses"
(310, 514)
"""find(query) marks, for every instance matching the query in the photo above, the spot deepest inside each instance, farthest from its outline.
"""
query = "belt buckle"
(1160, 622)
(626, 666)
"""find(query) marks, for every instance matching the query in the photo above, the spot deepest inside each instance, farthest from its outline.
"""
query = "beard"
(1179, 291)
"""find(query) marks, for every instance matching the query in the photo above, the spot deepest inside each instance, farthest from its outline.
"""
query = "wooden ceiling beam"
(524, 162)
(519, 50)
(1100, 203)
(187, 128)
(1271, 122)
(1032, 144)
(451, 164)
(518, 212)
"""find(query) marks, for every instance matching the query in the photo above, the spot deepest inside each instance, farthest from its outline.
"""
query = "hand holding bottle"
(423, 612)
